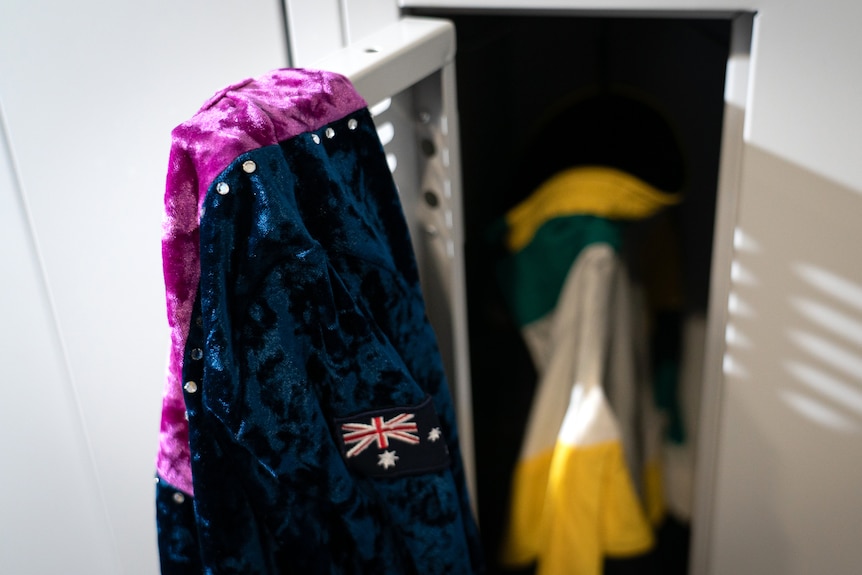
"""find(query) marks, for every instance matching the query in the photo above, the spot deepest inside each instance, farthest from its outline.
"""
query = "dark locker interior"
(538, 92)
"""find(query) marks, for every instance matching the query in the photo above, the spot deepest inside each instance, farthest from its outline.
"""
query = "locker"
(455, 120)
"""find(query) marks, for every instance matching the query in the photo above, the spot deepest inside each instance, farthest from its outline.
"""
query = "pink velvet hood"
(242, 117)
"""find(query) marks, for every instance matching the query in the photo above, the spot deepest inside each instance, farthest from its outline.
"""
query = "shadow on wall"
(790, 451)
(810, 290)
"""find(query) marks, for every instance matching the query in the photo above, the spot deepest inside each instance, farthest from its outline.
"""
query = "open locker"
(521, 82)
(463, 157)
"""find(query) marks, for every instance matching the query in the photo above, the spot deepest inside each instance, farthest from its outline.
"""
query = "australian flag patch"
(393, 441)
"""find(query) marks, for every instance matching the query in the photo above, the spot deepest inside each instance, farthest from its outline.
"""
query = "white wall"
(46, 461)
(319, 27)
(89, 92)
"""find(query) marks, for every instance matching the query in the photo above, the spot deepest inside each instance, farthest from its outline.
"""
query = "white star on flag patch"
(393, 441)
(387, 459)
(434, 434)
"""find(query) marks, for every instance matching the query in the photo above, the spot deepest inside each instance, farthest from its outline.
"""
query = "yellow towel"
(592, 190)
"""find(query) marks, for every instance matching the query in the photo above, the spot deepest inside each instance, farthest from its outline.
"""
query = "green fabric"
(665, 390)
(532, 278)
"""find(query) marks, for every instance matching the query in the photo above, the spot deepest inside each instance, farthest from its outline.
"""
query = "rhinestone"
(249, 167)
(315, 138)
(330, 133)
(191, 386)
(179, 497)
(222, 188)
(352, 123)
(197, 353)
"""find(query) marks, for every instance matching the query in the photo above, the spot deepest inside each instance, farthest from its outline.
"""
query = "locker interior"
(517, 76)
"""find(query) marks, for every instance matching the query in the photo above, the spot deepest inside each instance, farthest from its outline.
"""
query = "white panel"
(790, 448)
(318, 28)
(315, 29)
(91, 91)
(808, 85)
(50, 496)
(364, 17)
(786, 495)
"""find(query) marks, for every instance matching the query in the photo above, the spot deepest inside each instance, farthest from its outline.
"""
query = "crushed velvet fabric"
(240, 118)
(295, 306)
(177, 533)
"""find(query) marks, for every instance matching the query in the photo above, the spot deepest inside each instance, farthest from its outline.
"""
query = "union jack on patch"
(393, 441)
(380, 430)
